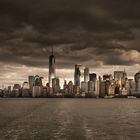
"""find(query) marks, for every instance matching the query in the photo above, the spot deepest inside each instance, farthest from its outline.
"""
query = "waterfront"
(72, 119)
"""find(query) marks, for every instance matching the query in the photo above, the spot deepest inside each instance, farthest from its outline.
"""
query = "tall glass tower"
(78, 74)
(51, 68)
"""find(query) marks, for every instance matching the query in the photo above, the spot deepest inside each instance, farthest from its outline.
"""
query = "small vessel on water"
(108, 97)
(131, 97)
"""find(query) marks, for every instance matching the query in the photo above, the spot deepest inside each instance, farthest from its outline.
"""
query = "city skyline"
(101, 35)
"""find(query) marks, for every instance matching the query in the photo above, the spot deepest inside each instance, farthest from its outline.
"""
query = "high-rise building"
(135, 87)
(108, 77)
(91, 87)
(55, 85)
(78, 74)
(9, 90)
(25, 85)
(97, 88)
(92, 76)
(70, 87)
(51, 68)
(37, 91)
(119, 74)
(120, 77)
(111, 90)
(137, 81)
(84, 87)
(16, 90)
(65, 84)
(76, 90)
(38, 81)
(137, 77)
(31, 80)
(37, 87)
(25, 89)
(86, 74)
(65, 87)
(102, 88)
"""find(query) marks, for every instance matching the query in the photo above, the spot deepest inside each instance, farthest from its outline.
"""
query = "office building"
(84, 87)
(119, 74)
(111, 90)
(55, 85)
(78, 74)
(37, 91)
(137, 81)
(9, 90)
(52, 73)
(65, 87)
(92, 76)
(25, 85)
(91, 87)
(70, 87)
(38, 81)
(25, 90)
(16, 91)
(86, 74)
(102, 88)
(37, 87)
(137, 77)
(31, 80)
(76, 90)
(120, 77)
(108, 77)
(97, 88)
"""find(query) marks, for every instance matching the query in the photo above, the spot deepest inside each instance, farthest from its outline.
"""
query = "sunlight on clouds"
(20, 74)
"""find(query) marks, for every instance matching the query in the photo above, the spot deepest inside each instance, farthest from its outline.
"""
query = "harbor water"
(69, 119)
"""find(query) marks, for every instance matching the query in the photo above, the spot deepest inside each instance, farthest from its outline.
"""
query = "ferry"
(108, 97)
(131, 97)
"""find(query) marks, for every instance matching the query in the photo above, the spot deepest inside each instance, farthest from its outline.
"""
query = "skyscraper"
(78, 74)
(56, 85)
(70, 87)
(86, 74)
(51, 68)
(137, 77)
(137, 81)
(31, 80)
(37, 88)
(16, 90)
(38, 81)
(92, 76)
(119, 74)
(25, 89)
(120, 78)
(107, 77)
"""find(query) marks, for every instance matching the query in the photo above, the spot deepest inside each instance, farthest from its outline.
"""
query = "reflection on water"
(72, 119)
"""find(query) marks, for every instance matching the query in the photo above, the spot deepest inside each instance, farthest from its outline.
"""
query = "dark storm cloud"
(81, 31)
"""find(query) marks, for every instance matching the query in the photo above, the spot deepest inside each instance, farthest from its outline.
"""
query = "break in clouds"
(100, 34)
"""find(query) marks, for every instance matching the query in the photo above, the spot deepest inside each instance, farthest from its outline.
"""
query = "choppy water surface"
(70, 119)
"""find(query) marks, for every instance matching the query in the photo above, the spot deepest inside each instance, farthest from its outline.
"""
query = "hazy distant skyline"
(103, 35)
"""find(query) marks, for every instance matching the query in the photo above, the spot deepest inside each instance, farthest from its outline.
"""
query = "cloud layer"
(96, 33)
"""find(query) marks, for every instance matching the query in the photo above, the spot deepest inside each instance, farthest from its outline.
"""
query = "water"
(69, 119)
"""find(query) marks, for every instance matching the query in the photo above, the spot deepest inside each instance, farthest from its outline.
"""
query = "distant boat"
(108, 97)
(131, 97)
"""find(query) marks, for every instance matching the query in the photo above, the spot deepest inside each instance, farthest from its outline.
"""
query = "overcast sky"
(101, 34)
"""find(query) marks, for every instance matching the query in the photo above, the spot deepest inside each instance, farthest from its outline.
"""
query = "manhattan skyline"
(101, 35)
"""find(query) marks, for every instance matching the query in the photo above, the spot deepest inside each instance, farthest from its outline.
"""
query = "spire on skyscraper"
(52, 50)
